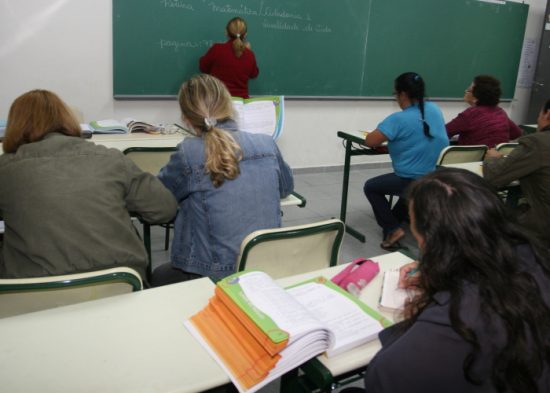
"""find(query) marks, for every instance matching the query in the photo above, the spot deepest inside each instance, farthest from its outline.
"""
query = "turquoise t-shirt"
(412, 153)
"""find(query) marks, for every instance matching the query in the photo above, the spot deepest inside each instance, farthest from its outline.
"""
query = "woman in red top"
(484, 123)
(232, 62)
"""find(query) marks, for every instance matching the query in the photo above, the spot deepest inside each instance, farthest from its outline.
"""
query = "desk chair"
(151, 159)
(282, 252)
(24, 295)
(512, 194)
(457, 154)
(506, 148)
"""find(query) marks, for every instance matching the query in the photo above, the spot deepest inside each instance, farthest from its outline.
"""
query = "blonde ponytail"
(204, 101)
(236, 30)
(222, 156)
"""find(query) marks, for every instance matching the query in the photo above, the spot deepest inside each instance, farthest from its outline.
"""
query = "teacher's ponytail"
(413, 86)
(236, 30)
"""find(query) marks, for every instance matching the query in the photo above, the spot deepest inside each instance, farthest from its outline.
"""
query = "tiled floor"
(323, 192)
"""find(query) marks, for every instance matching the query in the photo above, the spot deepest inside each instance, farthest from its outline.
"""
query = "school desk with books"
(323, 372)
(124, 126)
(257, 330)
(122, 343)
(328, 368)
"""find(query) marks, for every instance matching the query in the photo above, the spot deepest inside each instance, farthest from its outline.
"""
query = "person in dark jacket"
(529, 163)
(66, 201)
(481, 319)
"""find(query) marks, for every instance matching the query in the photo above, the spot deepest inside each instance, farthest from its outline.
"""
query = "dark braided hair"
(412, 85)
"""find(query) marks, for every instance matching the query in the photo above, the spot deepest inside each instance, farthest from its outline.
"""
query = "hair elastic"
(238, 35)
(210, 122)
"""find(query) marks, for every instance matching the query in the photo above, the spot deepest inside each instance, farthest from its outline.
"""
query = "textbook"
(3, 125)
(258, 331)
(260, 115)
(392, 297)
(124, 126)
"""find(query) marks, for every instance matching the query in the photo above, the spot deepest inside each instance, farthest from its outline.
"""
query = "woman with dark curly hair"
(484, 123)
(481, 319)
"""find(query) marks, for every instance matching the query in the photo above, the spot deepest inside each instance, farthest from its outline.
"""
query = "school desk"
(322, 372)
(528, 128)
(136, 342)
(360, 149)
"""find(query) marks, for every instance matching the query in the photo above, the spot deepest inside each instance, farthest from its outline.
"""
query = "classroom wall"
(66, 46)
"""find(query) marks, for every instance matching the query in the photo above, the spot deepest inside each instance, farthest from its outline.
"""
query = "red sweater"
(483, 125)
(221, 62)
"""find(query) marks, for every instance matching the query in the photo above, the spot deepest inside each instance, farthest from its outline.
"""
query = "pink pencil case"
(356, 275)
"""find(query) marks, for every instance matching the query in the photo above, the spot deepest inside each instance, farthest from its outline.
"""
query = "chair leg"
(167, 237)
(147, 243)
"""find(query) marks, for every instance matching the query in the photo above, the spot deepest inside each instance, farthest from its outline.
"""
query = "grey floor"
(323, 191)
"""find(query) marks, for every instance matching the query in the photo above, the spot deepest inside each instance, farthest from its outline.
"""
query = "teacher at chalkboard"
(233, 62)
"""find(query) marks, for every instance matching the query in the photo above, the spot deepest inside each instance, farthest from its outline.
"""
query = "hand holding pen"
(409, 275)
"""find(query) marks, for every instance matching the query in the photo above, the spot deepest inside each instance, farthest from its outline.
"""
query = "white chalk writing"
(278, 25)
(177, 45)
(229, 9)
(242, 9)
(177, 4)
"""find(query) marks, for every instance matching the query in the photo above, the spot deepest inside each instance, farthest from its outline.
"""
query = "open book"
(258, 331)
(124, 126)
(392, 297)
(260, 115)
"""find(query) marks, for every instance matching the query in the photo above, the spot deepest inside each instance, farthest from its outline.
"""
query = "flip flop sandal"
(395, 246)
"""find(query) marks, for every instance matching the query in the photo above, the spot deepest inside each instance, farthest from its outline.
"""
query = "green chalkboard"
(321, 48)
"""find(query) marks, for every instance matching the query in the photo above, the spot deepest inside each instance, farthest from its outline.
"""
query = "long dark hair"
(470, 238)
(413, 86)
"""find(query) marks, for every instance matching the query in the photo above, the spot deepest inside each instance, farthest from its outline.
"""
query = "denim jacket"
(212, 222)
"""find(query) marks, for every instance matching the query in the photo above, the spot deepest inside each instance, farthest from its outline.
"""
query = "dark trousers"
(376, 190)
(166, 274)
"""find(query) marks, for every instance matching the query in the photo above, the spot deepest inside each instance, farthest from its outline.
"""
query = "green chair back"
(23, 295)
(282, 252)
(458, 154)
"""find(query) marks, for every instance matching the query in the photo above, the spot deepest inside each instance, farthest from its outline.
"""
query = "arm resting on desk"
(521, 161)
(375, 138)
(148, 197)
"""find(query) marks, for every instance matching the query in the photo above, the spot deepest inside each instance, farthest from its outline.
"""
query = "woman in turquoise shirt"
(415, 136)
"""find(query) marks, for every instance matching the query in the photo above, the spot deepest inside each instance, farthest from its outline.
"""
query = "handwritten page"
(392, 296)
(258, 117)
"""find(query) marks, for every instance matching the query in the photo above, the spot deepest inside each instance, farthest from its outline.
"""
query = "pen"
(412, 272)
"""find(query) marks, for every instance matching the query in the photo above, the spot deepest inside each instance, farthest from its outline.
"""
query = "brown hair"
(34, 115)
(204, 101)
(236, 30)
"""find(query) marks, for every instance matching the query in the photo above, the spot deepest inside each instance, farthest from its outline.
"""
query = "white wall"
(66, 46)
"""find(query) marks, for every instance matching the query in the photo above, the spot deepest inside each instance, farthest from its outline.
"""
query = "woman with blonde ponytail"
(227, 183)
(233, 62)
